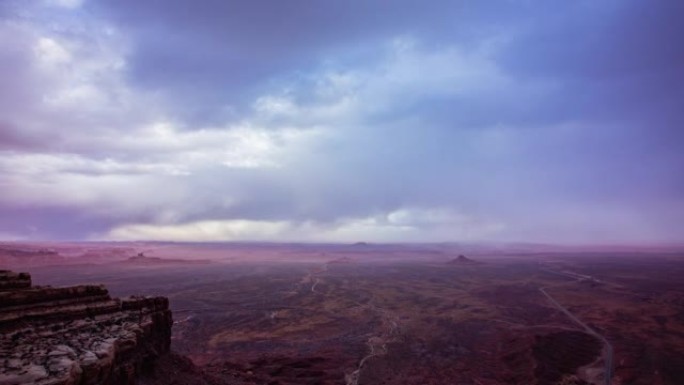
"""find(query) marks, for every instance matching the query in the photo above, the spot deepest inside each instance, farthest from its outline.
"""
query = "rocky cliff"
(77, 335)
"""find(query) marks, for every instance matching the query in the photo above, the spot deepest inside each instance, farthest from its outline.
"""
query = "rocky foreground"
(77, 335)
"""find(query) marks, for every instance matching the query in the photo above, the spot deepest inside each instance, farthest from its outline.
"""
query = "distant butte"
(141, 259)
(341, 260)
(463, 260)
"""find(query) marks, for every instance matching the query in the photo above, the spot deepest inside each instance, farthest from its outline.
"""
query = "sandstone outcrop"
(77, 335)
(463, 260)
(142, 260)
(28, 256)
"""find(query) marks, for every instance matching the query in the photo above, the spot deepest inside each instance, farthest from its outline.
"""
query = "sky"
(341, 121)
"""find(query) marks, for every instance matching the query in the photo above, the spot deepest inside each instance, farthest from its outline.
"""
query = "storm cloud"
(315, 121)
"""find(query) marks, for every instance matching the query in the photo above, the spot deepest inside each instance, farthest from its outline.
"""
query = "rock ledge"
(77, 335)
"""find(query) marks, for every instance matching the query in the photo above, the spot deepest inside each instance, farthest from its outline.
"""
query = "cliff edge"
(77, 335)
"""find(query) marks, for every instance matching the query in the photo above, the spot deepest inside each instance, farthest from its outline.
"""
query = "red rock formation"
(77, 335)
(28, 256)
(463, 260)
(142, 260)
(10, 280)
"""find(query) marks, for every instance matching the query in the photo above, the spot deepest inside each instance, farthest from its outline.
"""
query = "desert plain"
(354, 314)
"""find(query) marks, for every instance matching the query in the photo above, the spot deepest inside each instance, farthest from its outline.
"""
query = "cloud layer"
(502, 121)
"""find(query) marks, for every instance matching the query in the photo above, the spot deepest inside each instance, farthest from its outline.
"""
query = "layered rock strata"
(77, 335)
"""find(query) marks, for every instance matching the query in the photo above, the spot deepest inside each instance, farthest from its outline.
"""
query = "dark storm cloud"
(67, 223)
(12, 138)
(523, 120)
(224, 53)
(615, 60)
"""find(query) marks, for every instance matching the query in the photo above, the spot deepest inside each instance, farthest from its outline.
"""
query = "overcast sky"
(356, 120)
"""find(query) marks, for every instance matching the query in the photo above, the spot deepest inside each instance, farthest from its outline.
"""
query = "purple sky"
(509, 120)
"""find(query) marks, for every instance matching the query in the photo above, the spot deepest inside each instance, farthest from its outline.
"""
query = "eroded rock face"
(77, 335)
(10, 280)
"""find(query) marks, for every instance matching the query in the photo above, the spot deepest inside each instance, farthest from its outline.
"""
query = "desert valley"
(394, 314)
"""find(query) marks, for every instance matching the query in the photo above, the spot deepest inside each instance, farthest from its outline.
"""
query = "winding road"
(607, 347)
